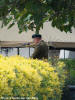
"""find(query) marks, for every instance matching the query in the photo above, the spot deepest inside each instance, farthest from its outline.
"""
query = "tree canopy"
(32, 14)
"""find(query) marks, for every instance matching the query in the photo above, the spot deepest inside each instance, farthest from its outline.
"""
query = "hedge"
(70, 66)
(22, 77)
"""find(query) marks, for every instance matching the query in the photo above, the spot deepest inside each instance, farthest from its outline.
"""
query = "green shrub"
(70, 65)
(69, 68)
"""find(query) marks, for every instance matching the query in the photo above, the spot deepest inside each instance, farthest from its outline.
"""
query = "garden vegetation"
(22, 77)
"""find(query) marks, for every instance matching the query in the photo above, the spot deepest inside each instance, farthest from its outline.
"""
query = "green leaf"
(11, 25)
(24, 12)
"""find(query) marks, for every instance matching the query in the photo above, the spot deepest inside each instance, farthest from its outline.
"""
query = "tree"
(32, 14)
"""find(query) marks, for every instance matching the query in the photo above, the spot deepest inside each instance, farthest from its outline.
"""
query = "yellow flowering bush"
(22, 77)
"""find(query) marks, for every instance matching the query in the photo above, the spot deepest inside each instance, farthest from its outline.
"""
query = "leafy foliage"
(70, 64)
(69, 68)
(31, 14)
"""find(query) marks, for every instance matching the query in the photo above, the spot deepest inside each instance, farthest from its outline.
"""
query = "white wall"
(49, 34)
(22, 51)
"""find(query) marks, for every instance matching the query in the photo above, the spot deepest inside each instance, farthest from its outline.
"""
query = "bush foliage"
(32, 14)
(70, 65)
(22, 77)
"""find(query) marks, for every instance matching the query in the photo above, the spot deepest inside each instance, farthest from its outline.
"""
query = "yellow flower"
(20, 76)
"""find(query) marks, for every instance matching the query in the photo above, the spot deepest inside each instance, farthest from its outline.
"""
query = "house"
(55, 38)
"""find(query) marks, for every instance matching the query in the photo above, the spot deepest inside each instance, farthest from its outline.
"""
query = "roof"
(62, 45)
(13, 44)
(52, 45)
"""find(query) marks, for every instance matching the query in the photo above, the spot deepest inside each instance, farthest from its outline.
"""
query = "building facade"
(49, 34)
